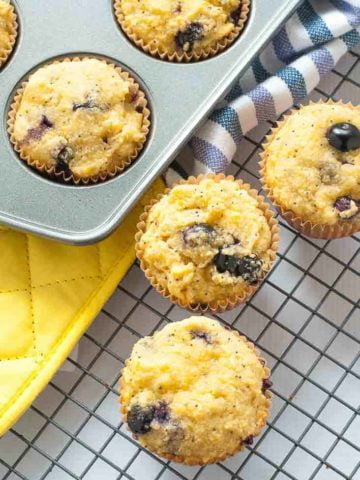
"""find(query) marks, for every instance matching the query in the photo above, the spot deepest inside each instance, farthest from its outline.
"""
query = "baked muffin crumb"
(79, 118)
(195, 392)
(207, 242)
(312, 164)
(178, 27)
(8, 29)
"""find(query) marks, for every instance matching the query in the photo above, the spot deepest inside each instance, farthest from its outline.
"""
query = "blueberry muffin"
(195, 392)
(311, 169)
(182, 29)
(8, 29)
(207, 242)
(82, 119)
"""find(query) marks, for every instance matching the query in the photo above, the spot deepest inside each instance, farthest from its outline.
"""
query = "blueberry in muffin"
(185, 39)
(344, 136)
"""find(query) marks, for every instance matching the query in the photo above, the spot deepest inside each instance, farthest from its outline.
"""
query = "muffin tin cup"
(177, 56)
(6, 51)
(260, 425)
(304, 226)
(215, 306)
(141, 102)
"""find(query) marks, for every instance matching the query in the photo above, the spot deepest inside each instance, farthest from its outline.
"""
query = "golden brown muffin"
(8, 30)
(84, 119)
(311, 167)
(195, 392)
(207, 242)
(182, 29)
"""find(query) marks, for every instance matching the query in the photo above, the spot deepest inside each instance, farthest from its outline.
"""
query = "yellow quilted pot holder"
(49, 294)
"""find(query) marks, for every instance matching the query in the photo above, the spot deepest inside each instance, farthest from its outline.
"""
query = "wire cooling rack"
(306, 321)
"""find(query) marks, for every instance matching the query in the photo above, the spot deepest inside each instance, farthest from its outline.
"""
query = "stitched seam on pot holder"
(33, 323)
(54, 282)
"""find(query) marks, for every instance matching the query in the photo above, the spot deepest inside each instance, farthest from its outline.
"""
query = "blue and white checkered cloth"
(305, 49)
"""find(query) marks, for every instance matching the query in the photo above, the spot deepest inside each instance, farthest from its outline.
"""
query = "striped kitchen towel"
(304, 50)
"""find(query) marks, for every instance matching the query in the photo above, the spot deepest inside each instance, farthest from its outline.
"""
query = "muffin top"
(195, 391)
(181, 25)
(7, 21)
(206, 242)
(313, 163)
(79, 117)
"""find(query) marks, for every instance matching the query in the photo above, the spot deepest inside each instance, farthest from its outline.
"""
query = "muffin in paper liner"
(191, 458)
(213, 305)
(342, 228)
(69, 177)
(12, 30)
(178, 54)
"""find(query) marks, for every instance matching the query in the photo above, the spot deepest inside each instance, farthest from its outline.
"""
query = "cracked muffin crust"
(195, 392)
(181, 29)
(207, 242)
(311, 164)
(82, 119)
(8, 29)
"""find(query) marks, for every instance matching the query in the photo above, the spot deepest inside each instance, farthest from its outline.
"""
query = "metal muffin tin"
(180, 96)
